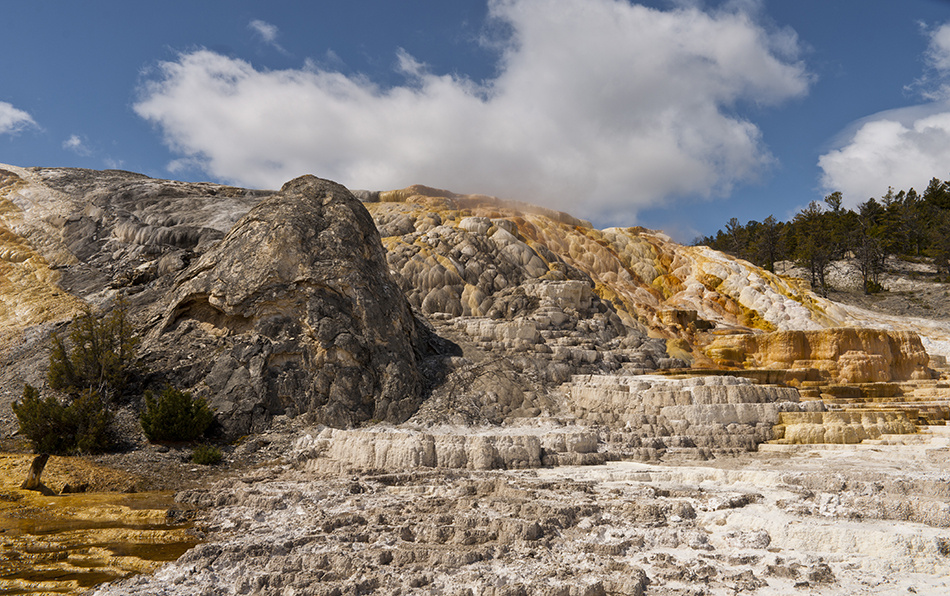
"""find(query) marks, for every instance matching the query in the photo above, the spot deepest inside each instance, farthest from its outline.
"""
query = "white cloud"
(901, 148)
(939, 52)
(13, 120)
(77, 145)
(268, 33)
(599, 106)
(888, 152)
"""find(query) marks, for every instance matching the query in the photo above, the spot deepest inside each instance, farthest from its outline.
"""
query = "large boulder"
(294, 312)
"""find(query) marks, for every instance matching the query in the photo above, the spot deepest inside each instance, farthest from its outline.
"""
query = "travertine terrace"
(454, 394)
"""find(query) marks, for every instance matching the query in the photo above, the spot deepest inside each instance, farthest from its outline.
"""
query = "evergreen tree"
(835, 224)
(100, 356)
(868, 247)
(814, 244)
(937, 194)
(940, 241)
(902, 224)
(769, 244)
(737, 237)
(914, 215)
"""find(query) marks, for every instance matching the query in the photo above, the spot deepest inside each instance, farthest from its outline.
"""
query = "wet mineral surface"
(66, 543)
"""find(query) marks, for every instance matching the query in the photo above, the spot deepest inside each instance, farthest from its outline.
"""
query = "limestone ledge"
(397, 449)
(842, 354)
(845, 427)
(714, 400)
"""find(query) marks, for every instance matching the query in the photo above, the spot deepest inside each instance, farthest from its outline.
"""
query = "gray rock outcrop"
(294, 312)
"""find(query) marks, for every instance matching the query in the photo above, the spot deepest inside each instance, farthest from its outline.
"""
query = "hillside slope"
(688, 293)
(529, 296)
(449, 341)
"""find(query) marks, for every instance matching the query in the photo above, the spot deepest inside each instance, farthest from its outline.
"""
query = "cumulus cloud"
(13, 120)
(902, 148)
(888, 152)
(599, 105)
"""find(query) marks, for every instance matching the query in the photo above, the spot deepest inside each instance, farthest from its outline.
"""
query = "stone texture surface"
(532, 296)
(782, 523)
(29, 255)
(650, 417)
(841, 427)
(71, 238)
(841, 354)
(458, 448)
(598, 418)
(464, 254)
(535, 328)
(302, 314)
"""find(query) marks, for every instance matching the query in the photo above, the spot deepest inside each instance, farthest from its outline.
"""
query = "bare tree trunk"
(34, 477)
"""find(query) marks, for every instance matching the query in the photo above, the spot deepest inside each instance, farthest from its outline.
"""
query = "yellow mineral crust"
(641, 272)
(845, 354)
(66, 543)
(29, 294)
(841, 427)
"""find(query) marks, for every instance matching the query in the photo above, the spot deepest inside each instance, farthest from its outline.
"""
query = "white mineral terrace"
(790, 519)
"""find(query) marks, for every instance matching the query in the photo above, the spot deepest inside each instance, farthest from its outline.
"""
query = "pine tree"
(815, 244)
(100, 354)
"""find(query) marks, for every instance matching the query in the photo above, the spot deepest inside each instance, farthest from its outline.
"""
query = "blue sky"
(676, 115)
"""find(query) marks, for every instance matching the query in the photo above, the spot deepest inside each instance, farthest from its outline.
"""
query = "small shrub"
(175, 416)
(52, 427)
(42, 422)
(206, 455)
(100, 354)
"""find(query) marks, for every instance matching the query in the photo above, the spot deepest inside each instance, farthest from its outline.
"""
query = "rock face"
(841, 427)
(73, 238)
(112, 229)
(601, 418)
(303, 315)
(489, 449)
(465, 255)
(844, 355)
(29, 284)
(468, 255)
(530, 296)
(646, 417)
(291, 303)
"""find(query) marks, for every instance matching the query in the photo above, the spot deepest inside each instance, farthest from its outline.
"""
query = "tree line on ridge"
(904, 224)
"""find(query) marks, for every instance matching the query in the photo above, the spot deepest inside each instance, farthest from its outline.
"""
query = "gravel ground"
(911, 289)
